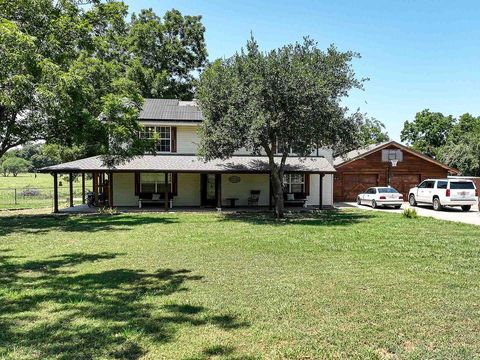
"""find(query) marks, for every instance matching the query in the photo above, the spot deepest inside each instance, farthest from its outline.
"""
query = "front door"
(208, 189)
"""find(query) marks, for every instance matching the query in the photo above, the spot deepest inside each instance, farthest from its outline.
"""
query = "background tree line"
(454, 141)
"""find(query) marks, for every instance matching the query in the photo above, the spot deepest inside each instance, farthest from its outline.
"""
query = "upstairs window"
(291, 150)
(162, 133)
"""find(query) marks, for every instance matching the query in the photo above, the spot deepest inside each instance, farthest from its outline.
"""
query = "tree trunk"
(278, 193)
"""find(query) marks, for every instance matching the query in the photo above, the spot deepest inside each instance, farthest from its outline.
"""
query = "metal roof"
(192, 163)
(170, 109)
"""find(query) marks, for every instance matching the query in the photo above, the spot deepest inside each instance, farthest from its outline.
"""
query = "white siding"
(188, 190)
(313, 198)
(241, 190)
(187, 140)
(124, 190)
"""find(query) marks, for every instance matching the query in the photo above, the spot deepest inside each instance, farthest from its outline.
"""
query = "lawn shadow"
(41, 224)
(49, 310)
(312, 218)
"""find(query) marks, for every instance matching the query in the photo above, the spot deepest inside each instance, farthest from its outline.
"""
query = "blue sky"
(417, 54)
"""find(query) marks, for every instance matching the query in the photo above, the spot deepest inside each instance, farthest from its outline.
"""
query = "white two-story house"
(176, 177)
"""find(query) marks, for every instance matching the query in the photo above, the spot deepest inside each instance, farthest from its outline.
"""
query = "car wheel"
(374, 204)
(412, 201)
(359, 202)
(466, 207)
(437, 206)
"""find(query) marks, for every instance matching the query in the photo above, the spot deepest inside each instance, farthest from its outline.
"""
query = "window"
(156, 183)
(164, 140)
(147, 132)
(442, 184)
(291, 150)
(294, 183)
(427, 185)
(462, 185)
(387, 191)
(371, 191)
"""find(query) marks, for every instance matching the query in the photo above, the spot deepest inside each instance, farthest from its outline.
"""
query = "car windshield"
(387, 190)
(461, 185)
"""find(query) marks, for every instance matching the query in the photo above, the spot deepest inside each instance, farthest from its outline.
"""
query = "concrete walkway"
(449, 214)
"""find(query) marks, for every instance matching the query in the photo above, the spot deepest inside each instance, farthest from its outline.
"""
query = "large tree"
(289, 97)
(428, 131)
(75, 75)
(372, 131)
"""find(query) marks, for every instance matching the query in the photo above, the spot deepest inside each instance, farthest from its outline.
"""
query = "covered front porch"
(166, 182)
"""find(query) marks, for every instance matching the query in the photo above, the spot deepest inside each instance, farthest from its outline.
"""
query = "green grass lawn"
(350, 284)
(26, 180)
(41, 182)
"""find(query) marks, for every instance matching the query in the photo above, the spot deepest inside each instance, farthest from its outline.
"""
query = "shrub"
(410, 213)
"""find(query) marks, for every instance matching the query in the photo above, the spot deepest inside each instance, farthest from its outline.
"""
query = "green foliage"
(69, 67)
(428, 132)
(410, 213)
(372, 131)
(455, 142)
(289, 96)
(14, 165)
(463, 153)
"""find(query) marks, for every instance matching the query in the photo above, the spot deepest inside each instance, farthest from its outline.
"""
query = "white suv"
(444, 192)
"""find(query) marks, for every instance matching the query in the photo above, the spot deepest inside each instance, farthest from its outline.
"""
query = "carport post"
(83, 188)
(70, 180)
(55, 192)
(320, 192)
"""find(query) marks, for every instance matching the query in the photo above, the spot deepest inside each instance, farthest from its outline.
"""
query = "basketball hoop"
(394, 162)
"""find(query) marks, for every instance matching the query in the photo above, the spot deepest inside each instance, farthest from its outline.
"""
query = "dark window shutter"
(174, 139)
(175, 184)
(307, 184)
(137, 183)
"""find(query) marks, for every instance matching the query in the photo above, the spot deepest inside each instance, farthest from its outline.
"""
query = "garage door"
(404, 182)
(354, 184)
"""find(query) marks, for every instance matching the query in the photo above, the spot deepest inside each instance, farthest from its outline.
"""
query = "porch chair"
(254, 197)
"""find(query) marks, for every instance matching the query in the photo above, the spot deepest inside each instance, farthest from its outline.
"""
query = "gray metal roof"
(170, 109)
(192, 163)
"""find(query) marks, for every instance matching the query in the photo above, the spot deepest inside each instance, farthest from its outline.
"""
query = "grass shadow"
(41, 224)
(312, 218)
(48, 310)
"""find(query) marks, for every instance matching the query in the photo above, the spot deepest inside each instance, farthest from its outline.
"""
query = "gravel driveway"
(450, 214)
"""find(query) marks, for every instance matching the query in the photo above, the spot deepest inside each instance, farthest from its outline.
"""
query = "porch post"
(320, 195)
(70, 180)
(218, 190)
(55, 192)
(270, 190)
(95, 186)
(83, 188)
(110, 190)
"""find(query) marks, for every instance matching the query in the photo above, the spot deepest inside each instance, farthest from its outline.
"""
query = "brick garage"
(360, 169)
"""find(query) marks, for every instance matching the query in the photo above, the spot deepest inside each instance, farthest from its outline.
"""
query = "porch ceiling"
(192, 163)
